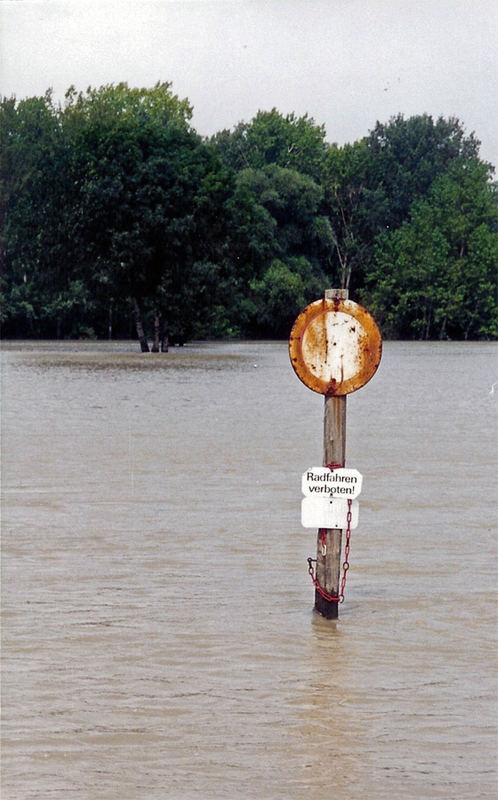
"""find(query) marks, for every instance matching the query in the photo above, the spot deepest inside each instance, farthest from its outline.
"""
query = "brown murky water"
(158, 634)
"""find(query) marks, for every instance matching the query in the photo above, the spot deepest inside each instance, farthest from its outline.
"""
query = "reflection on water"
(159, 640)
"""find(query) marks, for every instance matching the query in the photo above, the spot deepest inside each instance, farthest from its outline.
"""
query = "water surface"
(158, 634)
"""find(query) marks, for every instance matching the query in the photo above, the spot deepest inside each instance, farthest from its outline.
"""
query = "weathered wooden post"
(328, 563)
(335, 347)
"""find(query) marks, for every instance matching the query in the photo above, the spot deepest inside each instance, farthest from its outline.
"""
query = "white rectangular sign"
(326, 482)
(320, 511)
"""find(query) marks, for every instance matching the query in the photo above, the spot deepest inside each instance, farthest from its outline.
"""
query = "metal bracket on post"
(340, 294)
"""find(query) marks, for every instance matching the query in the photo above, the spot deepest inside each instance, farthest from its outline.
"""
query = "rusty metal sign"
(335, 346)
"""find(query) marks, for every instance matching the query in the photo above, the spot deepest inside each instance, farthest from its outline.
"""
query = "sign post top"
(341, 294)
(335, 345)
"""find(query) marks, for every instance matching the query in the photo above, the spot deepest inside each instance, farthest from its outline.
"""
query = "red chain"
(345, 564)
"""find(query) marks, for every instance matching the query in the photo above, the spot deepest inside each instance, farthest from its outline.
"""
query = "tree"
(371, 185)
(278, 225)
(281, 294)
(435, 277)
(408, 155)
(290, 142)
(353, 210)
(42, 290)
(112, 200)
(138, 166)
(292, 199)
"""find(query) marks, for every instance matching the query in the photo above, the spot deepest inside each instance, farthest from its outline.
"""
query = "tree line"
(117, 216)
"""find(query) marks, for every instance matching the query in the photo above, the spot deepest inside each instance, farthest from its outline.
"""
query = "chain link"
(345, 563)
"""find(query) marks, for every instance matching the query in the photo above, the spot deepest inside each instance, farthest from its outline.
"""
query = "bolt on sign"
(335, 346)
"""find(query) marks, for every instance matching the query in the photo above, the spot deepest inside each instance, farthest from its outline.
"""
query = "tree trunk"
(157, 325)
(442, 331)
(427, 322)
(164, 337)
(144, 345)
(109, 325)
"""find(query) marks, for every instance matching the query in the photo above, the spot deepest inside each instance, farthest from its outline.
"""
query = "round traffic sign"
(335, 346)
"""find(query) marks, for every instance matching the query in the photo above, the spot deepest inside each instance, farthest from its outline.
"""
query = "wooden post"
(328, 566)
(334, 356)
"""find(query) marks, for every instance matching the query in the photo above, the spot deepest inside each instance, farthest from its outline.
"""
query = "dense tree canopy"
(139, 168)
(116, 215)
(290, 142)
(408, 155)
(435, 276)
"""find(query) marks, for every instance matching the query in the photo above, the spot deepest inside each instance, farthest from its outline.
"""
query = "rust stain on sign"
(335, 346)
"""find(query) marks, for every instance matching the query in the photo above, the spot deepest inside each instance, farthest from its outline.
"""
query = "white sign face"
(343, 358)
(328, 512)
(335, 346)
(325, 482)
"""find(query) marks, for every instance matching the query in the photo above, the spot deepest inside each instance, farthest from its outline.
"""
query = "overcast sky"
(347, 63)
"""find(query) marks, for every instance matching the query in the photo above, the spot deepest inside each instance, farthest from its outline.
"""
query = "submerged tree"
(138, 165)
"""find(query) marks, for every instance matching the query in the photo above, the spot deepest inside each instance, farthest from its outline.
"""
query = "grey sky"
(347, 63)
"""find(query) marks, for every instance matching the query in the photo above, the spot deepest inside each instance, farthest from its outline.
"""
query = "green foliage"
(408, 155)
(36, 194)
(435, 276)
(290, 142)
(137, 166)
(353, 211)
(291, 200)
(112, 201)
(282, 293)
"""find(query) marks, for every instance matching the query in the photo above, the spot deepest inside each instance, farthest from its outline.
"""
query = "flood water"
(159, 640)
